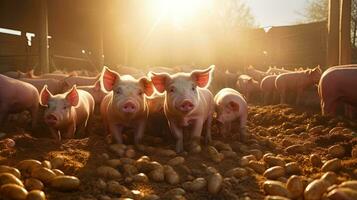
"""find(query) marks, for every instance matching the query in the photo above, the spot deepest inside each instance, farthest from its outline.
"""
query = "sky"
(277, 12)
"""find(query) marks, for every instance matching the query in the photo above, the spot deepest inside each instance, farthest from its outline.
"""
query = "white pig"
(187, 102)
(67, 112)
(231, 106)
(125, 106)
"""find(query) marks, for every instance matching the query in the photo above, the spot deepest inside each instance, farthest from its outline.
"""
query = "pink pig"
(96, 91)
(338, 85)
(187, 102)
(230, 106)
(16, 74)
(68, 112)
(125, 106)
(247, 85)
(267, 86)
(297, 82)
(17, 96)
(80, 81)
(54, 86)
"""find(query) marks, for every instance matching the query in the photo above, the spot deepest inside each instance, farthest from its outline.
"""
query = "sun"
(177, 12)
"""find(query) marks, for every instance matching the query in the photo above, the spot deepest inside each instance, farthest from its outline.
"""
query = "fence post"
(345, 32)
(43, 38)
(333, 33)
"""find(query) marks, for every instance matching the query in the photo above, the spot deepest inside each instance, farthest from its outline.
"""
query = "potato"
(46, 164)
(315, 160)
(214, 183)
(174, 192)
(221, 146)
(36, 195)
(130, 153)
(13, 191)
(274, 172)
(176, 161)
(257, 166)
(267, 154)
(295, 186)
(101, 184)
(58, 172)
(118, 149)
(157, 174)
(195, 185)
(115, 188)
(33, 184)
(43, 174)
(171, 177)
(292, 168)
(129, 170)
(151, 197)
(6, 178)
(336, 129)
(127, 161)
(269, 197)
(331, 165)
(256, 153)
(315, 189)
(236, 172)
(316, 129)
(57, 162)
(275, 188)
(336, 151)
(354, 152)
(214, 154)
(229, 154)
(295, 149)
(108, 172)
(11, 170)
(274, 161)
(349, 184)
(65, 183)
(329, 177)
(141, 177)
(195, 148)
(114, 163)
(166, 152)
(28, 165)
(342, 194)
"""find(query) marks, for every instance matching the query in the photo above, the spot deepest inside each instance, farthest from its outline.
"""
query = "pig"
(17, 96)
(57, 76)
(337, 85)
(96, 91)
(276, 71)
(54, 86)
(80, 80)
(188, 102)
(16, 74)
(248, 86)
(125, 106)
(66, 113)
(255, 74)
(230, 105)
(267, 86)
(157, 122)
(297, 82)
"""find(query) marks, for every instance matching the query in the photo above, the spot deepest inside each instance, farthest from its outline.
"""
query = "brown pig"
(267, 86)
(296, 82)
(17, 96)
(231, 106)
(187, 102)
(96, 91)
(125, 106)
(338, 85)
(68, 112)
(248, 86)
(54, 86)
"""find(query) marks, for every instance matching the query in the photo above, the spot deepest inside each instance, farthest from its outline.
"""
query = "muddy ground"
(272, 129)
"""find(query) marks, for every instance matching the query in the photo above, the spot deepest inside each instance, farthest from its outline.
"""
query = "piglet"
(187, 102)
(96, 91)
(68, 112)
(17, 96)
(248, 86)
(125, 106)
(296, 82)
(231, 106)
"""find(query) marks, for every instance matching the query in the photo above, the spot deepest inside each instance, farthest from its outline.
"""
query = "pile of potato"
(29, 177)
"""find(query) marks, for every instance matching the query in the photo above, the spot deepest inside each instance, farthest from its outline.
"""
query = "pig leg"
(283, 97)
(243, 127)
(177, 132)
(139, 132)
(208, 136)
(70, 131)
(329, 107)
(349, 111)
(116, 131)
(265, 97)
(197, 131)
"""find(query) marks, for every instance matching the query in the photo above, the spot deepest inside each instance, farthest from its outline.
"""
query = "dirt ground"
(272, 129)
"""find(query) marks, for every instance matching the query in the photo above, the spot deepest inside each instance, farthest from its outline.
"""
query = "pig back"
(85, 106)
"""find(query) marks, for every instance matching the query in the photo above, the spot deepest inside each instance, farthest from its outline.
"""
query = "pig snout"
(51, 119)
(186, 106)
(129, 107)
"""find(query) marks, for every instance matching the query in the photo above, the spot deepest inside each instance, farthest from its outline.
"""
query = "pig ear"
(202, 77)
(30, 74)
(72, 96)
(159, 80)
(97, 85)
(45, 95)
(108, 78)
(147, 85)
(233, 105)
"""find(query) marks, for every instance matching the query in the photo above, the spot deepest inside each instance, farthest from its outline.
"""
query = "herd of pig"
(180, 98)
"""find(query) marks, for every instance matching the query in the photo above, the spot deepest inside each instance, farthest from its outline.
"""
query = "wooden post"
(43, 38)
(345, 32)
(333, 33)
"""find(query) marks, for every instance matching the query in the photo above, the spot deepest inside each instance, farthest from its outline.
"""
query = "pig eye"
(172, 90)
(140, 93)
(65, 107)
(118, 91)
(193, 88)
